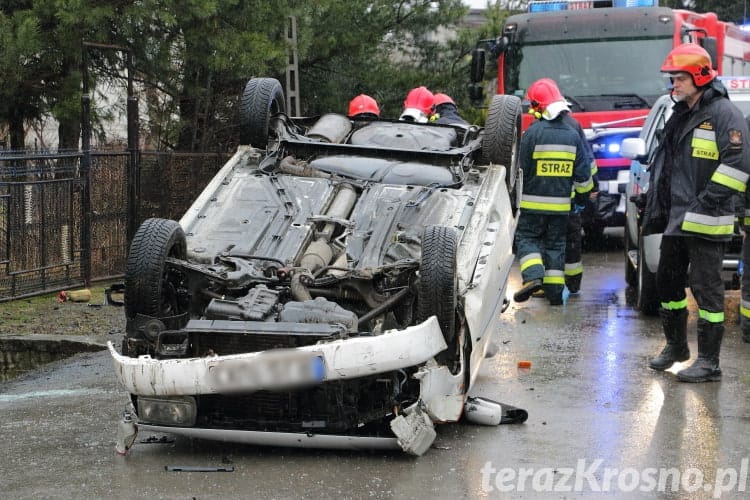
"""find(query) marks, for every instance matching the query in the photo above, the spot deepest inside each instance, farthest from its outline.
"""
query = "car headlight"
(177, 411)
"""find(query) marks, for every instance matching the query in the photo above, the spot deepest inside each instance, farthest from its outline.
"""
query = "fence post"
(86, 167)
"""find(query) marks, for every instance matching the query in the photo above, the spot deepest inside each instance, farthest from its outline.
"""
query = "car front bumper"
(338, 360)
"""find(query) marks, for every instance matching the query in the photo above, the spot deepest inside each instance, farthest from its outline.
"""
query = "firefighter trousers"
(697, 263)
(745, 284)
(573, 259)
(540, 243)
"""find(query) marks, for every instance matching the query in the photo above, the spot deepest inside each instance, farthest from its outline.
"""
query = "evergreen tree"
(734, 11)
(20, 93)
(192, 59)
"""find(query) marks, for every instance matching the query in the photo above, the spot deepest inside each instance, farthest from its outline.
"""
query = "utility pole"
(292, 70)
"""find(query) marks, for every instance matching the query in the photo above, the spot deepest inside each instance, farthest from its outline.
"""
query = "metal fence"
(50, 241)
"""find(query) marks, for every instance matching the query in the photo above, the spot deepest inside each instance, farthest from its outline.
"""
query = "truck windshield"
(595, 75)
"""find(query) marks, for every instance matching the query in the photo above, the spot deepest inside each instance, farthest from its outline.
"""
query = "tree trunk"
(69, 129)
(17, 132)
(69, 133)
(189, 109)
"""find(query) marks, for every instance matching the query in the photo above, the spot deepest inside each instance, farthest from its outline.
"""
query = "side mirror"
(476, 93)
(633, 148)
(477, 65)
(501, 44)
(709, 43)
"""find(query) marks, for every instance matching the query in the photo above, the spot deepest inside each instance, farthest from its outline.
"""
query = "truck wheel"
(646, 298)
(261, 99)
(502, 136)
(147, 290)
(631, 273)
(438, 281)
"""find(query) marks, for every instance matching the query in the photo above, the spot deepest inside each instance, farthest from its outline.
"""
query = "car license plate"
(280, 369)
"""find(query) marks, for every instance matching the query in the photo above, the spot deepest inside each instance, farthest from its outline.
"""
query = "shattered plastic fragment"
(126, 434)
(415, 432)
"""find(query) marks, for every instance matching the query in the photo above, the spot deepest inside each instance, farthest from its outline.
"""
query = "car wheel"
(646, 298)
(631, 273)
(146, 289)
(502, 136)
(438, 281)
(261, 99)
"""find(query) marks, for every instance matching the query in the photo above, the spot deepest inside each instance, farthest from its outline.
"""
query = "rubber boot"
(706, 367)
(573, 283)
(675, 330)
(527, 290)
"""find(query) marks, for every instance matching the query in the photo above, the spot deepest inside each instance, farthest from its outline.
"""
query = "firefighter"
(745, 299)
(573, 243)
(418, 105)
(364, 106)
(554, 161)
(699, 168)
(445, 111)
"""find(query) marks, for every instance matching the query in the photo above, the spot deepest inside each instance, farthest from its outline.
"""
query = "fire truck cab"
(605, 56)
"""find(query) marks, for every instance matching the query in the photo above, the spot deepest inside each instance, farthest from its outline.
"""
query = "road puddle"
(20, 355)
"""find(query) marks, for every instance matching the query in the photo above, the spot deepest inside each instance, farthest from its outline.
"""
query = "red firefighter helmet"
(419, 98)
(693, 59)
(362, 104)
(542, 93)
(440, 98)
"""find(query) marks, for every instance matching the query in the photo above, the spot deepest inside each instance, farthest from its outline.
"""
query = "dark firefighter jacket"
(447, 114)
(572, 122)
(700, 168)
(553, 159)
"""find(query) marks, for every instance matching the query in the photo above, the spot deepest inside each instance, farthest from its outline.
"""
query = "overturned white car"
(336, 285)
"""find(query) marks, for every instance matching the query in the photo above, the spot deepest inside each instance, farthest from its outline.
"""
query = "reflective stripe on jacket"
(554, 161)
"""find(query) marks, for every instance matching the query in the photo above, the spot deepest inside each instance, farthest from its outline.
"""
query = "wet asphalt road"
(599, 421)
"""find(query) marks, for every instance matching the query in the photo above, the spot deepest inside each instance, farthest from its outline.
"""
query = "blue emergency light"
(636, 3)
(547, 6)
(556, 5)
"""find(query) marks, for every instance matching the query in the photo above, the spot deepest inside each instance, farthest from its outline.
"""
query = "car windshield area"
(594, 75)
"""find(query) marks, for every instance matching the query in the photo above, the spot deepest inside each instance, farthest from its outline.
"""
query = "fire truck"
(605, 56)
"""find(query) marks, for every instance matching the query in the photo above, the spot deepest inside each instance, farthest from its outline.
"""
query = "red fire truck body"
(605, 56)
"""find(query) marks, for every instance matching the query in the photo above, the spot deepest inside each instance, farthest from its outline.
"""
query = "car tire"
(146, 291)
(438, 281)
(647, 300)
(502, 137)
(631, 273)
(261, 99)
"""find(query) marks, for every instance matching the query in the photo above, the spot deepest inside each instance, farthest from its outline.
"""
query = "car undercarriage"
(337, 277)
